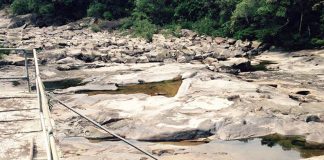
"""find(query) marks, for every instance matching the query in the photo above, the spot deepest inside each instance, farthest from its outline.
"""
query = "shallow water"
(165, 88)
(272, 147)
(184, 143)
(296, 143)
(254, 150)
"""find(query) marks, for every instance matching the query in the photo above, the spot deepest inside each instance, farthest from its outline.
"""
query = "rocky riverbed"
(197, 92)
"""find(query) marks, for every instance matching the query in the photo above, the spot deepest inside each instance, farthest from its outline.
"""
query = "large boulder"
(221, 53)
(231, 41)
(75, 52)
(244, 45)
(188, 33)
(234, 65)
(220, 40)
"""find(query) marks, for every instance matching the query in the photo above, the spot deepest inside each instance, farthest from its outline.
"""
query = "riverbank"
(221, 89)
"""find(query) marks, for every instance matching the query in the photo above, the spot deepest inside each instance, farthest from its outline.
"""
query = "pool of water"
(294, 143)
(165, 88)
(271, 147)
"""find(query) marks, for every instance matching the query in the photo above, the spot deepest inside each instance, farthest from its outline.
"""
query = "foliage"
(172, 29)
(289, 23)
(20, 7)
(108, 15)
(205, 25)
(95, 28)
(46, 9)
(144, 28)
(96, 10)
(317, 42)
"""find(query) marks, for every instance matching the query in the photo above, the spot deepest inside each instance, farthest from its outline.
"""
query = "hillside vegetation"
(288, 23)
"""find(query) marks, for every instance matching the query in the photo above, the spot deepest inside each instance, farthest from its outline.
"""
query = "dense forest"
(287, 23)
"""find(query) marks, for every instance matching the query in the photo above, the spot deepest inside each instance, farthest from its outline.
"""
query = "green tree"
(20, 7)
(288, 23)
(96, 10)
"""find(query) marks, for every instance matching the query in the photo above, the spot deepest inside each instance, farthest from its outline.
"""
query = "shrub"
(95, 28)
(96, 10)
(144, 28)
(204, 26)
(46, 9)
(20, 7)
(317, 42)
(107, 15)
(244, 33)
(126, 23)
(172, 29)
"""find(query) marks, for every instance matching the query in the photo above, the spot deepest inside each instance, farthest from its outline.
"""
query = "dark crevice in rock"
(112, 120)
(303, 92)
(179, 136)
(61, 84)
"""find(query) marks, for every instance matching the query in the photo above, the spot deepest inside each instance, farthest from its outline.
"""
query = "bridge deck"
(20, 128)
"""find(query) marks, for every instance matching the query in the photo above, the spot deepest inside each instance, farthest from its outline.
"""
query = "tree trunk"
(309, 31)
(247, 19)
(301, 22)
